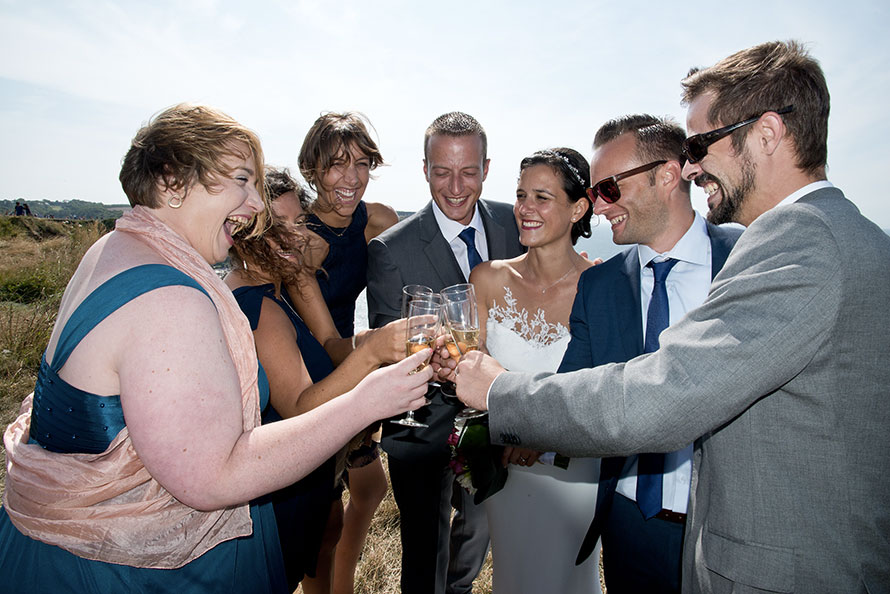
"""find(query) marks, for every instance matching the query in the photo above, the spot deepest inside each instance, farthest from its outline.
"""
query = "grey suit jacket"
(783, 373)
(414, 252)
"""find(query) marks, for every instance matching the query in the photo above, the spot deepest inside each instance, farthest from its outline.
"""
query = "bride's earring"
(174, 201)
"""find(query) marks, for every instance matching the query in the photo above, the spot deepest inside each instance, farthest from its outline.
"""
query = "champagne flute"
(410, 292)
(459, 293)
(424, 317)
(462, 320)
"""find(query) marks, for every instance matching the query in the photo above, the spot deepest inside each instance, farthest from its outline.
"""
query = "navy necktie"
(468, 236)
(650, 467)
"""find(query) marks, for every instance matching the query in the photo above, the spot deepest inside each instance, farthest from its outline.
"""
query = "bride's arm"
(481, 278)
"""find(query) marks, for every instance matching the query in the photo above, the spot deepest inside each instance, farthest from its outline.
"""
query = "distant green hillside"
(39, 229)
(65, 209)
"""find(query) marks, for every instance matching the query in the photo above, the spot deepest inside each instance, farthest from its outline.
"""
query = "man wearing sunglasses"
(641, 193)
(780, 376)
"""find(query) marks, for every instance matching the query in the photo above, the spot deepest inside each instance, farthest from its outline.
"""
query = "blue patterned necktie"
(650, 467)
(468, 236)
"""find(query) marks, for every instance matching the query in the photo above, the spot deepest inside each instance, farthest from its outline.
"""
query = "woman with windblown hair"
(301, 374)
(132, 466)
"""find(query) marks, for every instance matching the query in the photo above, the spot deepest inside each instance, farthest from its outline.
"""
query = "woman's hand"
(442, 362)
(519, 456)
(393, 390)
(385, 344)
(315, 249)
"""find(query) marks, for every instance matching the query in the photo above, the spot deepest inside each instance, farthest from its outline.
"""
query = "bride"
(538, 520)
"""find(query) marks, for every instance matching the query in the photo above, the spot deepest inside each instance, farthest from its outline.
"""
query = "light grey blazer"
(783, 377)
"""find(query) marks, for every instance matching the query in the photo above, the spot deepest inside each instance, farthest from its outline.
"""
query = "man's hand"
(519, 456)
(473, 376)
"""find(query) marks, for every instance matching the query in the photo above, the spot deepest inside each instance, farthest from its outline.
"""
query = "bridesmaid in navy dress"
(336, 159)
(301, 374)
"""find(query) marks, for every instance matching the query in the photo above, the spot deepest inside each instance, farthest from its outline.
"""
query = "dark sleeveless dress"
(345, 270)
(65, 419)
(302, 509)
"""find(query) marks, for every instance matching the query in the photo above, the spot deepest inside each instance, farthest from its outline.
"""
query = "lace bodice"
(523, 344)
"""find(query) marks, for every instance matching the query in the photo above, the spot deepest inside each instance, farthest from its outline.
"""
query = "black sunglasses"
(607, 188)
(696, 147)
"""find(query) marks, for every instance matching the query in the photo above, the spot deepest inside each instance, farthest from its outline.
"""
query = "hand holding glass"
(462, 319)
(420, 333)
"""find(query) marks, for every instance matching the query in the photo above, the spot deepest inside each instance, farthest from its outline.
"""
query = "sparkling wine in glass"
(421, 330)
(466, 330)
(462, 322)
(463, 327)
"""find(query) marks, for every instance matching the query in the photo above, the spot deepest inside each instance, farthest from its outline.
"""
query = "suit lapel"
(629, 305)
(437, 250)
(495, 234)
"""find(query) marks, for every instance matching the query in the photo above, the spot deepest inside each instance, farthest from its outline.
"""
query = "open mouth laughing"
(236, 224)
(711, 187)
(346, 195)
(619, 219)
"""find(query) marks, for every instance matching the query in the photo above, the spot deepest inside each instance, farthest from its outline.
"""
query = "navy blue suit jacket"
(607, 327)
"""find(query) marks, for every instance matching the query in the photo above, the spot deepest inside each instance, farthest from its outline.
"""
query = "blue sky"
(78, 78)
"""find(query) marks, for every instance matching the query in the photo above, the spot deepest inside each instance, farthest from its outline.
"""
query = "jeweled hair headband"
(571, 167)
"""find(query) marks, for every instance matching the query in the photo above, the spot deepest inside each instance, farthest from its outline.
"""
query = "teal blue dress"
(67, 420)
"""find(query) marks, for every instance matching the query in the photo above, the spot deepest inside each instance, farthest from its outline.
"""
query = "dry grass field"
(37, 258)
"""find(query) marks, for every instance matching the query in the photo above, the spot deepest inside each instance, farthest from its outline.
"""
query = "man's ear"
(770, 130)
(669, 176)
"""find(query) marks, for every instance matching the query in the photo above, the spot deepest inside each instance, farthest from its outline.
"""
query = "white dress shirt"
(798, 194)
(687, 287)
(450, 231)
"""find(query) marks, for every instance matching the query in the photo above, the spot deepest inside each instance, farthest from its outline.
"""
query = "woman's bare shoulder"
(491, 277)
(504, 270)
(380, 218)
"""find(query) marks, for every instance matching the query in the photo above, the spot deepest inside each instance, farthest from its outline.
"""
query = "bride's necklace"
(559, 280)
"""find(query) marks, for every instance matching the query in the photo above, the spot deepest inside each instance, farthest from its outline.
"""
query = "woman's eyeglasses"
(696, 147)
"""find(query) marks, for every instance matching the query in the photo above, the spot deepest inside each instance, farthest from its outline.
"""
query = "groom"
(612, 320)
(437, 247)
(781, 375)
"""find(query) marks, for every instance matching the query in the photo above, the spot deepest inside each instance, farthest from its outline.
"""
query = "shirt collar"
(800, 193)
(451, 229)
(694, 247)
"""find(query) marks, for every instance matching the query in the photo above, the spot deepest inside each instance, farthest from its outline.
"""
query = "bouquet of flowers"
(476, 462)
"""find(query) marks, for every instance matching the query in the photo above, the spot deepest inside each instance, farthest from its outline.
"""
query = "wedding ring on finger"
(523, 459)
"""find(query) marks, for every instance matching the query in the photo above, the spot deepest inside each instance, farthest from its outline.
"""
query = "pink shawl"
(106, 506)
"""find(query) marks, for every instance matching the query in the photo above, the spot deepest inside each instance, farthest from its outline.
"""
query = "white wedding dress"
(539, 519)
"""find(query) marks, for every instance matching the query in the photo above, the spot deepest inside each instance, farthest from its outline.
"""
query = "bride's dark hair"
(572, 169)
